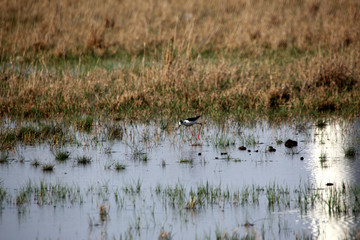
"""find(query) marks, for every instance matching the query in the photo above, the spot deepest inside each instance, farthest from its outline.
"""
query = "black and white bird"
(190, 122)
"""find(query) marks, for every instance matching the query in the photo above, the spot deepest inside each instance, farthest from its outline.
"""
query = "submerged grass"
(216, 59)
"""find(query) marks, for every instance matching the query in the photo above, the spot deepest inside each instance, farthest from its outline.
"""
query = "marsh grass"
(4, 158)
(342, 200)
(103, 212)
(138, 153)
(119, 166)
(62, 156)
(321, 123)
(228, 58)
(35, 163)
(83, 160)
(164, 235)
(115, 132)
(223, 140)
(133, 188)
(186, 160)
(32, 134)
(44, 193)
(48, 167)
(85, 123)
(350, 152)
(323, 157)
(3, 194)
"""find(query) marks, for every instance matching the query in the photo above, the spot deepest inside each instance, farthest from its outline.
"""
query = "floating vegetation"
(83, 160)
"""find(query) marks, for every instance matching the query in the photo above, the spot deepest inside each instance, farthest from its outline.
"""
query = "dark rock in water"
(199, 154)
(271, 149)
(329, 184)
(291, 143)
(242, 148)
(249, 150)
(302, 158)
(256, 150)
(216, 158)
(223, 153)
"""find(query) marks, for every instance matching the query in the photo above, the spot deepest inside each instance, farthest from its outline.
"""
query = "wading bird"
(190, 122)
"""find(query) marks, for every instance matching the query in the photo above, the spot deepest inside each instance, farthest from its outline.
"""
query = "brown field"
(243, 58)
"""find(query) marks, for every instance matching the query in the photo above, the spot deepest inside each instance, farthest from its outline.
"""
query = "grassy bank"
(139, 60)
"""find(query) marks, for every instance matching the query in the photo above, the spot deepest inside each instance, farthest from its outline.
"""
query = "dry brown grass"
(237, 57)
(67, 27)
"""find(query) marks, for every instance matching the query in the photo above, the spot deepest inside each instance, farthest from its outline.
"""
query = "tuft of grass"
(85, 123)
(28, 134)
(350, 152)
(48, 167)
(223, 141)
(103, 212)
(163, 163)
(62, 156)
(35, 163)
(323, 157)
(4, 158)
(119, 167)
(31, 134)
(3, 193)
(320, 123)
(7, 139)
(165, 235)
(137, 153)
(83, 160)
(115, 132)
(187, 160)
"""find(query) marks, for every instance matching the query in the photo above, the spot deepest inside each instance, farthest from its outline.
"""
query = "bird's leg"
(191, 134)
(199, 131)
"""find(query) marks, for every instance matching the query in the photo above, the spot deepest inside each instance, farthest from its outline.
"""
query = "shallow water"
(153, 161)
